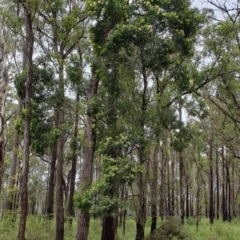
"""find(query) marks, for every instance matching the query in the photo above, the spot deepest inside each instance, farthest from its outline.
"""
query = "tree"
(5, 79)
(143, 32)
(28, 10)
(65, 20)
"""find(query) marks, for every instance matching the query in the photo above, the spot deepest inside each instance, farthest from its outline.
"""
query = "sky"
(200, 3)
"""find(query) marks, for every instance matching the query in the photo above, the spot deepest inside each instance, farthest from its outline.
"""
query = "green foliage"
(169, 230)
(118, 25)
(83, 202)
(117, 171)
(197, 108)
(43, 101)
(74, 72)
(42, 84)
(181, 138)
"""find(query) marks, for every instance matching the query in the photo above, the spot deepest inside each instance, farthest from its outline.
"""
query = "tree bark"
(211, 195)
(3, 87)
(74, 164)
(162, 207)
(142, 189)
(141, 214)
(198, 198)
(233, 191)
(154, 166)
(224, 210)
(14, 159)
(173, 188)
(51, 182)
(60, 159)
(108, 228)
(181, 175)
(187, 201)
(217, 180)
(228, 182)
(26, 148)
(86, 174)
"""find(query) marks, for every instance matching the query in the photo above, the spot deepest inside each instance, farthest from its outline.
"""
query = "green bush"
(170, 230)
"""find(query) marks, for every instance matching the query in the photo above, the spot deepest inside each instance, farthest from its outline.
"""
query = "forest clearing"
(119, 119)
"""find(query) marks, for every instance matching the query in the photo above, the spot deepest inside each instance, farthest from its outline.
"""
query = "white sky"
(200, 3)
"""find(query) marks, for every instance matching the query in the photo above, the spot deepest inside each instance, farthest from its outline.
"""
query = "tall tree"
(211, 195)
(5, 79)
(86, 175)
(28, 10)
(66, 21)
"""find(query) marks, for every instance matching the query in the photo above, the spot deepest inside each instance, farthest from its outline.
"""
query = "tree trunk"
(169, 211)
(141, 214)
(198, 198)
(154, 166)
(229, 192)
(74, 164)
(217, 179)
(233, 191)
(181, 174)
(173, 188)
(187, 201)
(14, 159)
(51, 182)
(52, 176)
(224, 210)
(162, 206)
(26, 148)
(3, 87)
(86, 174)
(142, 188)
(211, 195)
(60, 160)
(108, 228)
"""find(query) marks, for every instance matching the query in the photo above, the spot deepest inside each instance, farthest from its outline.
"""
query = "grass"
(40, 229)
(218, 231)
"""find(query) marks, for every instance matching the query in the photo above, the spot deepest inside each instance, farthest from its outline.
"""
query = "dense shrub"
(170, 230)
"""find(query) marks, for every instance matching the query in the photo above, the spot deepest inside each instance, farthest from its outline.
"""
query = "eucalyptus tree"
(7, 53)
(86, 174)
(60, 27)
(14, 25)
(29, 10)
(4, 83)
(221, 45)
(75, 73)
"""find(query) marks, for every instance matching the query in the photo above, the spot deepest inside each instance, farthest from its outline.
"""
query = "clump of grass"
(8, 226)
(39, 228)
(169, 230)
(191, 221)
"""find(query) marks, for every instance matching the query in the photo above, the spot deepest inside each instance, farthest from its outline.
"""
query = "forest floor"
(40, 229)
